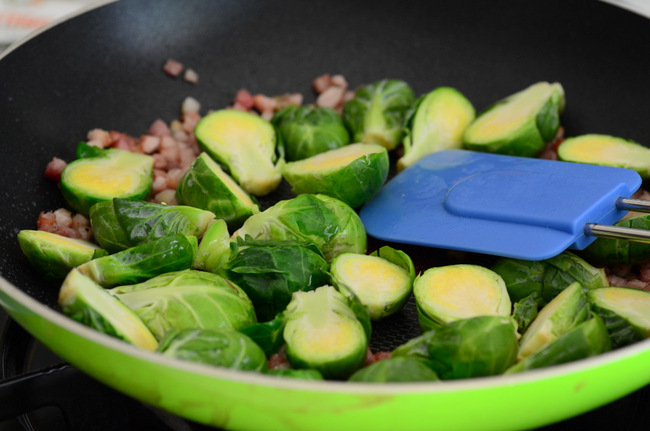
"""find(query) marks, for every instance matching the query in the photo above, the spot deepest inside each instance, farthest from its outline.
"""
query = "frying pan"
(103, 69)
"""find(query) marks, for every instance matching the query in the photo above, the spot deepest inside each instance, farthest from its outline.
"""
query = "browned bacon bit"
(244, 100)
(159, 128)
(63, 223)
(321, 83)
(173, 68)
(98, 138)
(279, 361)
(54, 169)
(374, 357)
(332, 91)
(149, 144)
(637, 277)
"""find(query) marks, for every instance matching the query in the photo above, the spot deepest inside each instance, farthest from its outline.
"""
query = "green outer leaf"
(475, 347)
(202, 187)
(271, 272)
(416, 347)
(605, 251)
(309, 130)
(524, 311)
(397, 257)
(124, 223)
(188, 299)
(268, 335)
(354, 183)
(223, 348)
(142, 262)
(55, 255)
(566, 268)
(377, 112)
(589, 338)
(81, 197)
(397, 369)
(85, 151)
(522, 277)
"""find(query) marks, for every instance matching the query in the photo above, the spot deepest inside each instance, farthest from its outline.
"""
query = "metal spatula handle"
(620, 232)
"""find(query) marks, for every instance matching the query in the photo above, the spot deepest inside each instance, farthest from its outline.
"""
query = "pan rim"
(461, 385)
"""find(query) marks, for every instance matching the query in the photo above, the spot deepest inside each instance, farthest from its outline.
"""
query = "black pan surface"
(103, 69)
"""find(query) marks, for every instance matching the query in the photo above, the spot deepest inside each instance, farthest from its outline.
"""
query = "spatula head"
(494, 204)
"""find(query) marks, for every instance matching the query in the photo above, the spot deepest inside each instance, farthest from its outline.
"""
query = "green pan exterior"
(249, 401)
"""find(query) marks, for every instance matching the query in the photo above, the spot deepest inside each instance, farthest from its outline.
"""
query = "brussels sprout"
(606, 150)
(54, 255)
(188, 299)
(270, 271)
(398, 369)
(87, 302)
(353, 173)
(447, 293)
(220, 347)
(376, 114)
(382, 282)
(588, 338)
(325, 221)
(113, 174)
(304, 374)
(205, 185)
(214, 248)
(559, 316)
(521, 124)
(139, 263)
(435, 123)
(624, 311)
(309, 130)
(548, 277)
(323, 333)
(473, 347)
(607, 251)
(246, 145)
(123, 223)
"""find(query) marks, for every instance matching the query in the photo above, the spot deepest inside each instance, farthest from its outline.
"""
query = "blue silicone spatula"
(508, 206)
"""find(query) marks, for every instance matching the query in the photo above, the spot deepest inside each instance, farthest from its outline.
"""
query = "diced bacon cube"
(173, 68)
(54, 169)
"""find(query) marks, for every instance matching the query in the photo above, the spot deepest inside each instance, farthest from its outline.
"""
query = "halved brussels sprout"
(382, 281)
(376, 114)
(567, 310)
(397, 369)
(55, 255)
(447, 293)
(436, 122)
(473, 347)
(87, 302)
(329, 223)
(214, 249)
(205, 185)
(246, 145)
(113, 174)
(606, 150)
(123, 223)
(188, 299)
(271, 271)
(588, 338)
(219, 347)
(625, 312)
(609, 251)
(521, 124)
(353, 173)
(309, 130)
(323, 333)
(142, 262)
